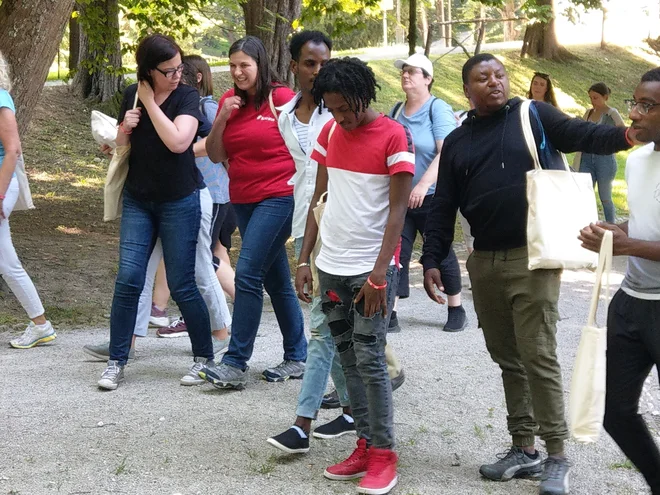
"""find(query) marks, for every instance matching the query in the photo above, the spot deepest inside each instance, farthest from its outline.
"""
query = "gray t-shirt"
(643, 177)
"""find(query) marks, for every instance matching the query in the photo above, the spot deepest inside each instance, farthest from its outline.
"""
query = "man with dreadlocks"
(360, 231)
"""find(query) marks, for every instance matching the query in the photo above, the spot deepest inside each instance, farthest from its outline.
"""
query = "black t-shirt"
(155, 173)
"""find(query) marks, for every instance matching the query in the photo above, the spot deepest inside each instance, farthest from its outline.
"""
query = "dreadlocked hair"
(351, 78)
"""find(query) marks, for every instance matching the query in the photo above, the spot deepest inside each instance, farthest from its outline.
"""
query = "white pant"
(10, 267)
(205, 276)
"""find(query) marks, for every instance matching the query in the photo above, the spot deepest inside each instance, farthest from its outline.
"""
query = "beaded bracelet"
(300, 265)
(374, 286)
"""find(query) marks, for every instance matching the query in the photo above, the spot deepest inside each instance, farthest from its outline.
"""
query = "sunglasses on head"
(542, 74)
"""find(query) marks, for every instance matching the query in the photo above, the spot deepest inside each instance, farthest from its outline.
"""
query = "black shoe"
(331, 401)
(397, 381)
(290, 442)
(456, 319)
(335, 428)
(394, 324)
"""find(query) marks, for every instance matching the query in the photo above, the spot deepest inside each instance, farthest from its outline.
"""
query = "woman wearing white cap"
(430, 120)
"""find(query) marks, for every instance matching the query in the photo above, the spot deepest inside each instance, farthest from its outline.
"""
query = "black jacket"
(482, 172)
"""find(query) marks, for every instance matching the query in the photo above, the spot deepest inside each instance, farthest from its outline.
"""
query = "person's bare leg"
(39, 320)
(225, 272)
(161, 290)
(453, 301)
(221, 334)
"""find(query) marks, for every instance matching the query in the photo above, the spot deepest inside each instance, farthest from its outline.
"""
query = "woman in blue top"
(430, 120)
(39, 330)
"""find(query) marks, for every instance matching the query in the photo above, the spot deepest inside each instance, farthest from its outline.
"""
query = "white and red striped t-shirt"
(359, 163)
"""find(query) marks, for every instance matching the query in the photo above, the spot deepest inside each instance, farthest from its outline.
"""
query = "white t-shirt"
(643, 177)
(359, 163)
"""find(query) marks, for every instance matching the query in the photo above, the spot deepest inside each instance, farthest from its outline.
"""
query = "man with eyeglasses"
(633, 321)
(482, 171)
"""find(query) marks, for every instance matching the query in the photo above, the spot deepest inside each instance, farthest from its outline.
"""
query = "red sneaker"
(353, 467)
(381, 472)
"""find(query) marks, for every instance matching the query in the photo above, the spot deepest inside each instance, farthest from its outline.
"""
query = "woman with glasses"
(602, 168)
(246, 137)
(540, 89)
(162, 198)
(430, 120)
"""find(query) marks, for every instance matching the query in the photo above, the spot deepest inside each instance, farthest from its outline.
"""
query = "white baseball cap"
(416, 60)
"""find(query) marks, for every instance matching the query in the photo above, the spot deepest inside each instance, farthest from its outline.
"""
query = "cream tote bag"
(587, 398)
(560, 204)
(115, 179)
(24, 200)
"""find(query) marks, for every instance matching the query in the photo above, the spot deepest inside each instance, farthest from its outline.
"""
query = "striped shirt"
(301, 132)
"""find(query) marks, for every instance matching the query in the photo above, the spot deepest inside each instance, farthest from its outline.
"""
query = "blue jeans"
(322, 361)
(603, 171)
(360, 342)
(262, 263)
(177, 224)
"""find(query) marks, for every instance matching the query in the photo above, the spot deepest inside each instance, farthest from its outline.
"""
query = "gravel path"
(60, 434)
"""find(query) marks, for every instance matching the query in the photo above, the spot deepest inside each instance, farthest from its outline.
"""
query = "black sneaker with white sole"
(515, 463)
(290, 441)
(335, 428)
(554, 480)
(331, 401)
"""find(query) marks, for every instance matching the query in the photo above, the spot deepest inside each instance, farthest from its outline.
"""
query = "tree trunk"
(508, 12)
(270, 20)
(74, 41)
(399, 28)
(603, 43)
(30, 34)
(100, 81)
(429, 42)
(423, 23)
(448, 29)
(440, 18)
(540, 39)
(412, 27)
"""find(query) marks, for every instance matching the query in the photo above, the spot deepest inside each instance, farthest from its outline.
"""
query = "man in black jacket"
(482, 172)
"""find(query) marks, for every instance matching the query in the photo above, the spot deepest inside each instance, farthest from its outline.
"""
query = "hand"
(592, 237)
(132, 119)
(106, 150)
(2, 211)
(375, 300)
(417, 195)
(230, 104)
(304, 278)
(431, 281)
(632, 135)
(145, 92)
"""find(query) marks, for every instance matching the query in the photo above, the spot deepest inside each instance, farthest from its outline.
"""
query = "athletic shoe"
(398, 380)
(102, 351)
(381, 474)
(515, 463)
(393, 326)
(335, 428)
(554, 480)
(224, 376)
(112, 376)
(331, 401)
(220, 346)
(158, 317)
(353, 467)
(175, 329)
(290, 441)
(192, 377)
(284, 371)
(34, 335)
(456, 319)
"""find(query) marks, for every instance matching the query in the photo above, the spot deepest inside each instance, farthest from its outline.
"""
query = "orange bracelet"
(374, 286)
(123, 129)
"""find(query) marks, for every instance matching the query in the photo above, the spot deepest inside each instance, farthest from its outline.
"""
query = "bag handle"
(272, 105)
(604, 267)
(528, 133)
(136, 100)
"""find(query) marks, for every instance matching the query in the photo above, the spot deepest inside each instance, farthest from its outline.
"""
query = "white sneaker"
(34, 335)
(192, 377)
(112, 376)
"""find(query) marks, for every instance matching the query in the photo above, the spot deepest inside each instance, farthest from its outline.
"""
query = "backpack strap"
(332, 130)
(396, 111)
(431, 109)
(272, 105)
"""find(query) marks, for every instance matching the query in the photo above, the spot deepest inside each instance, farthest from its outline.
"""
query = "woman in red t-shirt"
(246, 138)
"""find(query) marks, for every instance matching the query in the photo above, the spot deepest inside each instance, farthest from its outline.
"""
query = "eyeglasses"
(169, 73)
(411, 71)
(641, 106)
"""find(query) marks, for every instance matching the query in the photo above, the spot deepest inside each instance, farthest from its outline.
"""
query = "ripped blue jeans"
(360, 342)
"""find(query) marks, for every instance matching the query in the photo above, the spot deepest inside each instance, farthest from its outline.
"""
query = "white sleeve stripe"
(320, 149)
(403, 156)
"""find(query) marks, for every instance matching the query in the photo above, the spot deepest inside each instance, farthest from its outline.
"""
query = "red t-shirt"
(260, 165)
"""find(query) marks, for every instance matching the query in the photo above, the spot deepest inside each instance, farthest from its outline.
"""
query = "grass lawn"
(71, 254)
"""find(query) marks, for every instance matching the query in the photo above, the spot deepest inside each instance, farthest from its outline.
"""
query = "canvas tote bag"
(115, 179)
(560, 204)
(24, 200)
(587, 397)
